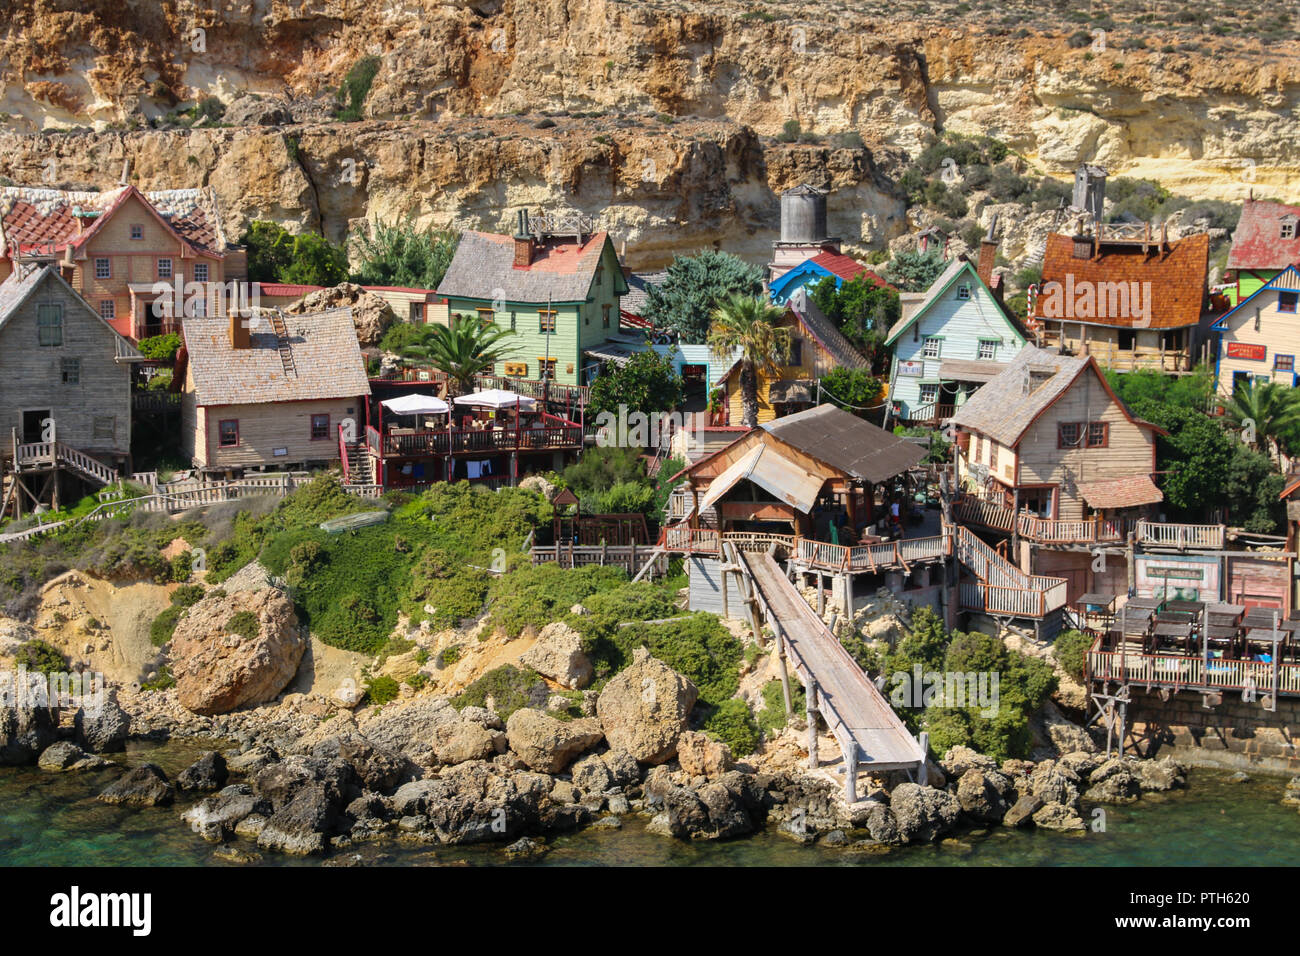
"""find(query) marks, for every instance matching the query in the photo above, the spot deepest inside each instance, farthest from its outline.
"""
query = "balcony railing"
(550, 433)
(1183, 671)
(972, 511)
(1160, 534)
(929, 414)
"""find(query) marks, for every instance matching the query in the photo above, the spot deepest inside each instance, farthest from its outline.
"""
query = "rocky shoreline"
(307, 776)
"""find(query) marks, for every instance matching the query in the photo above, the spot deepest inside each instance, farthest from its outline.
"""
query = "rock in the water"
(1055, 783)
(558, 655)
(1058, 816)
(68, 756)
(983, 794)
(549, 745)
(702, 756)
(922, 813)
(376, 768)
(25, 733)
(302, 826)
(209, 772)
(145, 786)
(102, 729)
(1158, 775)
(217, 669)
(525, 847)
(643, 709)
(1291, 796)
(1022, 811)
(215, 818)
(1113, 782)
(252, 760)
(1239, 777)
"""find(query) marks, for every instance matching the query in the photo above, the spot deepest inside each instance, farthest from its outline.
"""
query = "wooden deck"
(871, 736)
(985, 514)
(1184, 672)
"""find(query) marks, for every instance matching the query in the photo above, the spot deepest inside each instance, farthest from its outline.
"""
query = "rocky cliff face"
(451, 143)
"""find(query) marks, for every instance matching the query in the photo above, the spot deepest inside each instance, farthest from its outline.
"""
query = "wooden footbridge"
(870, 734)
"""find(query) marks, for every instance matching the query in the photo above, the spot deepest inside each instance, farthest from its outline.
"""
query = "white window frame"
(201, 272)
(992, 348)
(111, 306)
(934, 398)
(169, 272)
(963, 291)
(137, 232)
(938, 347)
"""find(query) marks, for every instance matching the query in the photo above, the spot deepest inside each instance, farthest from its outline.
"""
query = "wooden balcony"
(972, 511)
(1181, 536)
(927, 416)
(547, 433)
(1185, 672)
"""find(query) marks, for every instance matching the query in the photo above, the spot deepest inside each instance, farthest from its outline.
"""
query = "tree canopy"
(862, 310)
(647, 382)
(694, 286)
(402, 255)
(913, 271)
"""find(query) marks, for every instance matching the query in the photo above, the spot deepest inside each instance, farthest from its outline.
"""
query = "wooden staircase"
(44, 454)
(361, 466)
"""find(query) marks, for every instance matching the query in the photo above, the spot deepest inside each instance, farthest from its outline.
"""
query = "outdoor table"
(1224, 613)
(1221, 632)
(1148, 603)
(1185, 607)
(1260, 617)
(1175, 617)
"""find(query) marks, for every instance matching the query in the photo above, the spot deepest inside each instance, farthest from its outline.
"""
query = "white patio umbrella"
(497, 398)
(417, 405)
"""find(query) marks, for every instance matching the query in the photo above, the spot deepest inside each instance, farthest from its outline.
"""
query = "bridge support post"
(851, 773)
(848, 596)
(811, 692)
(821, 594)
(923, 773)
(785, 673)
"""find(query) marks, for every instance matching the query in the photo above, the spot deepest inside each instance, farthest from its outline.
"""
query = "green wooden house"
(555, 283)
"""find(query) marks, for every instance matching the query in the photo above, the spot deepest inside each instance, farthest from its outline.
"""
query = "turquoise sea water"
(54, 820)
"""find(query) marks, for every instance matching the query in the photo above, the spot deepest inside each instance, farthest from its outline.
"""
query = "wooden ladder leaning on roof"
(282, 342)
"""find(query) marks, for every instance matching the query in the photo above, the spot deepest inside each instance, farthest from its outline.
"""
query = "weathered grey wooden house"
(65, 391)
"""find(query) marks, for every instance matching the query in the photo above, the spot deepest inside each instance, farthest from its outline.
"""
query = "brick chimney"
(241, 334)
(523, 242)
(988, 255)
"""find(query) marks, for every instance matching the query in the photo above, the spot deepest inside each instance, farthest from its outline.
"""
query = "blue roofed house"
(1260, 338)
(816, 268)
(958, 337)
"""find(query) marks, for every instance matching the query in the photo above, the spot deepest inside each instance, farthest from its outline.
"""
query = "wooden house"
(772, 477)
(556, 284)
(119, 249)
(816, 347)
(814, 269)
(65, 389)
(957, 338)
(1265, 242)
(1126, 296)
(1048, 436)
(1259, 339)
(270, 391)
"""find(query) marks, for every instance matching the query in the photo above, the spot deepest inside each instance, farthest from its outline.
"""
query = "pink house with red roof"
(115, 247)
(1266, 241)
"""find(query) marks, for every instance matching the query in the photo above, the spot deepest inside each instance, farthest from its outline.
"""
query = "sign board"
(911, 368)
(1244, 350)
(1187, 574)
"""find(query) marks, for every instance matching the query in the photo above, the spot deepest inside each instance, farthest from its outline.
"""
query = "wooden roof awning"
(770, 471)
(1128, 492)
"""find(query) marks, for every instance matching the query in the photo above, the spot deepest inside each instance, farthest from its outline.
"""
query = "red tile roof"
(847, 268)
(1176, 271)
(1258, 242)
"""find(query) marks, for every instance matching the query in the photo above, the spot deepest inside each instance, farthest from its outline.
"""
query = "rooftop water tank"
(803, 215)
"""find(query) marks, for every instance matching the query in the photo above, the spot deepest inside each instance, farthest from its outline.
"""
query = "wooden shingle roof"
(483, 268)
(1176, 273)
(327, 361)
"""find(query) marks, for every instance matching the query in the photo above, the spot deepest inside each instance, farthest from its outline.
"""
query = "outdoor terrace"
(972, 511)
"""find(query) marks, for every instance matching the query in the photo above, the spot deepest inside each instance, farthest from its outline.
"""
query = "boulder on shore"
(218, 670)
(209, 772)
(644, 708)
(548, 745)
(371, 315)
(102, 729)
(66, 755)
(702, 756)
(922, 813)
(558, 655)
(25, 732)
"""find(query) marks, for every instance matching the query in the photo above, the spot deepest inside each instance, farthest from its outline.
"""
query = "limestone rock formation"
(218, 670)
(370, 314)
(643, 709)
(549, 745)
(558, 654)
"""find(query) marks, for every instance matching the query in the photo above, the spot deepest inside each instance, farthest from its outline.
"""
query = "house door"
(33, 430)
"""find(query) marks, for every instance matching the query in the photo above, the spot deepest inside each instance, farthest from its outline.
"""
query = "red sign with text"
(1246, 351)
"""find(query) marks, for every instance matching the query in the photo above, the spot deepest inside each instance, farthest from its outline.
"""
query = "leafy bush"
(539, 594)
(1072, 652)
(40, 657)
(162, 347)
(628, 497)
(164, 625)
(732, 723)
(188, 595)
(647, 382)
(695, 284)
(161, 681)
(381, 690)
(452, 590)
(403, 255)
(245, 624)
(356, 87)
(508, 687)
(772, 717)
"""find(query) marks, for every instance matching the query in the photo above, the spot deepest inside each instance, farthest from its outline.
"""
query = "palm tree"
(461, 350)
(750, 324)
(1267, 413)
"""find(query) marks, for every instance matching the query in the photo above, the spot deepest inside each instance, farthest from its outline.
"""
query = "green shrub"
(1072, 651)
(164, 625)
(181, 566)
(161, 681)
(188, 595)
(453, 591)
(245, 624)
(509, 688)
(417, 681)
(540, 594)
(732, 723)
(356, 87)
(40, 657)
(772, 717)
(381, 690)
(162, 347)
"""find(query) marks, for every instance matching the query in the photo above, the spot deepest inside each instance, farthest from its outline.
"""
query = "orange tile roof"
(1176, 272)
